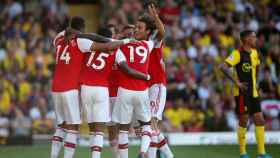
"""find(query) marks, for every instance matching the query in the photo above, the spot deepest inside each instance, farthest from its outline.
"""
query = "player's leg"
(242, 125)
(154, 99)
(122, 114)
(241, 134)
(259, 122)
(123, 140)
(143, 115)
(70, 143)
(96, 138)
(59, 135)
(113, 131)
(157, 111)
(73, 121)
(163, 146)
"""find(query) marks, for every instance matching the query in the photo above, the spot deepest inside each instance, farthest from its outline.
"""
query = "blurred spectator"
(39, 114)
(268, 87)
(12, 9)
(4, 128)
(21, 124)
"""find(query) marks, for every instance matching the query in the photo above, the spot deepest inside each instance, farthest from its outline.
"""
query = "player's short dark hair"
(77, 23)
(245, 33)
(105, 31)
(112, 26)
(150, 23)
(128, 26)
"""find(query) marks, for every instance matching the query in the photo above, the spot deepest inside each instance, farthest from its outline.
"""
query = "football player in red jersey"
(65, 83)
(133, 99)
(95, 75)
(126, 32)
(157, 89)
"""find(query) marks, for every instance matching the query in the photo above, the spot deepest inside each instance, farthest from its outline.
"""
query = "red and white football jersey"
(69, 58)
(97, 67)
(156, 65)
(137, 55)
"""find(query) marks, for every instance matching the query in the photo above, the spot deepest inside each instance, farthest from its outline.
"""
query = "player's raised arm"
(121, 61)
(159, 24)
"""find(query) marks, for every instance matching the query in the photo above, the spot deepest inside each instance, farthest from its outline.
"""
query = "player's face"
(252, 39)
(128, 33)
(140, 31)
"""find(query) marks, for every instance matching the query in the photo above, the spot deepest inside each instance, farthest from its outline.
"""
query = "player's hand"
(152, 10)
(128, 40)
(148, 77)
(242, 86)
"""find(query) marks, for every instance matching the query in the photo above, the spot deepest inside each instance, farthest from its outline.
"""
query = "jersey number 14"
(65, 56)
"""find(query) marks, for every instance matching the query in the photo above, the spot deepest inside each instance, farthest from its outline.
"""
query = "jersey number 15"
(100, 58)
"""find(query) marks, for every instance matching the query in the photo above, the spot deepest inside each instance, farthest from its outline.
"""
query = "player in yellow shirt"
(245, 61)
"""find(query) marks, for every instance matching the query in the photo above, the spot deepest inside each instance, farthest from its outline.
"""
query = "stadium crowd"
(200, 34)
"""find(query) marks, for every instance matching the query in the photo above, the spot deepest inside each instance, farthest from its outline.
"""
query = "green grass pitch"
(210, 151)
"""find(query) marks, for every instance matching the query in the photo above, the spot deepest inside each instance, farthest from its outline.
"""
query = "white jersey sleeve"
(120, 56)
(55, 40)
(150, 45)
(158, 44)
(84, 44)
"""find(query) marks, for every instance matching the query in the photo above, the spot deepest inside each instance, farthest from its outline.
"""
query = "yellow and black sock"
(259, 133)
(241, 134)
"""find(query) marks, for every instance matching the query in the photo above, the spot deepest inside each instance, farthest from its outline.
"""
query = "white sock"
(57, 142)
(70, 143)
(145, 138)
(96, 144)
(163, 147)
(114, 148)
(123, 144)
(152, 151)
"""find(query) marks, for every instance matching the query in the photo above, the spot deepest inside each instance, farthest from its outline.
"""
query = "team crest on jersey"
(246, 67)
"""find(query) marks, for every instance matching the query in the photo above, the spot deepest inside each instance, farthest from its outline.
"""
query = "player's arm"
(132, 72)
(159, 24)
(88, 45)
(225, 67)
(121, 61)
(94, 37)
(109, 46)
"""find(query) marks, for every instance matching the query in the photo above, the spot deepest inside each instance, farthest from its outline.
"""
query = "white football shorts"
(67, 107)
(130, 103)
(157, 95)
(95, 101)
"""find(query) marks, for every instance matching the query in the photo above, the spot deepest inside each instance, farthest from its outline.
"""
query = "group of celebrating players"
(119, 79)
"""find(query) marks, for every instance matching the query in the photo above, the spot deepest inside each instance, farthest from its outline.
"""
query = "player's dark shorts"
(247, 104)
